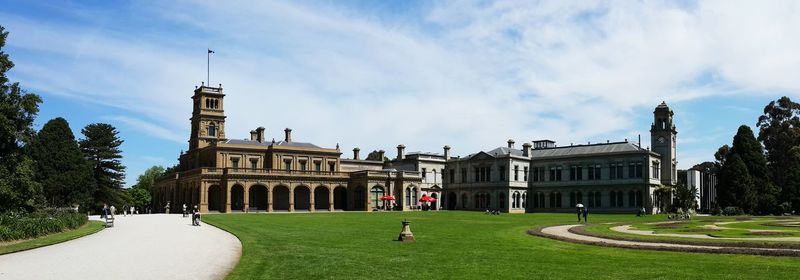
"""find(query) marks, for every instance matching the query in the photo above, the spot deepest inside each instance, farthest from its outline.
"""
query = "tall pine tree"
(61, 167)
(18, 189)
(779, 130)
(102, 147)
(751, 152)
(735, 186)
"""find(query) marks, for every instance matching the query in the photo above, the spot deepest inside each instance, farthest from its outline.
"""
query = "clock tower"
(208, 117)
(663, 142)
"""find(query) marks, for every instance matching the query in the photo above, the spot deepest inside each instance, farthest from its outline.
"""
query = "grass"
(50, 239)
(462, 245)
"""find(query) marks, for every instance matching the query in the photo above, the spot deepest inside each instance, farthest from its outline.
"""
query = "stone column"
(311, 207)
(228, 198)
(246, 199)
(330, 199)
(291, 199)
(204, 197)
(269, 199)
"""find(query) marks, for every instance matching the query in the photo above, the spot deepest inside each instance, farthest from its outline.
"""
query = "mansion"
(219, 174)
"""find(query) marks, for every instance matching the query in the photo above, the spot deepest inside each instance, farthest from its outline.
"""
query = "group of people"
(108, 212)
(195, 214)
(583, 211)
(493, 212)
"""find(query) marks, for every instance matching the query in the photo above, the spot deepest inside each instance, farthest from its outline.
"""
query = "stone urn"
(406, 235)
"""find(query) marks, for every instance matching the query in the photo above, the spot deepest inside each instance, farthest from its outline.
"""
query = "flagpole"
(208, 67)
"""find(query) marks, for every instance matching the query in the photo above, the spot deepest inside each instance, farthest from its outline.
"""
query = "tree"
(18, 109)
(779, 130)
(751, 152)
(735, 186)
(61, 167)
(148, 178)
(376, 156)
(140, 197)
(686, 197)
(102, 147)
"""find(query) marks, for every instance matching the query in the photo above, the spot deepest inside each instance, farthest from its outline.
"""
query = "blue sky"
(375, 74)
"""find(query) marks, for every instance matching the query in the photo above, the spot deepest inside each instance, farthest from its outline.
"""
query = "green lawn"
(461, 245)
(50, 239)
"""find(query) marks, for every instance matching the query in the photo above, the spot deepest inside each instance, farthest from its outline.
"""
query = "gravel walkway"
(155, 246)
(629, 230)
(562, 232)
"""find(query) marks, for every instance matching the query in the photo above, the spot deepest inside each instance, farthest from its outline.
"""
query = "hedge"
(19, 225)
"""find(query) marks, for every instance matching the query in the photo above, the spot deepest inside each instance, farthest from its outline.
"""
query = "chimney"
(288, 132)
(260, 134)
(381, 155)
(526, 150)
(510, 143)
(446, 152)
(401, 152)
(355, 153)
(253, 135)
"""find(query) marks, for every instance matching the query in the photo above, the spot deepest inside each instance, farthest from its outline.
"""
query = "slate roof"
(267, 143)
(499, 152)
(587, 150)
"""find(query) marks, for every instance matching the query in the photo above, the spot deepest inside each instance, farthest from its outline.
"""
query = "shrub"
(17, 225)
(732, 211)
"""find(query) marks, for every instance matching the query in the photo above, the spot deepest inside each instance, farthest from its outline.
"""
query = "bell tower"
(208, 117)
(663, 141)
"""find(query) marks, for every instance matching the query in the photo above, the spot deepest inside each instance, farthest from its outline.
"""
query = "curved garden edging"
(658, 245)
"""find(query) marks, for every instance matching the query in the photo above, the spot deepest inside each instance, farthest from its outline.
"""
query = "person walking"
(579, 214)
(125, 211)
(113, 211)
(585, 214)
(104, 211)
(184, 210)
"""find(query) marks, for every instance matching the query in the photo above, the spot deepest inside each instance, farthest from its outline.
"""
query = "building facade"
(227, 175)
(488, 180)
(606, 177)
(705, 184)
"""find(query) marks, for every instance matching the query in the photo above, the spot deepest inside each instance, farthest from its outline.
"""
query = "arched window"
(514, 200)
(212, 130)
(552, 200)
(413, 200)
(598, 202)
(525, 200)
(580, 197)
(477, 201)
(572, 199)
(408, 196)
(558, 200)
(376, 193)
(619, 199)
(639, 199)
(591, 199)
(612, 199)
(631, 199)
(464, 200)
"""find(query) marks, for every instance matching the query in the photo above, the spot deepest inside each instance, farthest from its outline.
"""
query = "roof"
(498, 152)
(279, 143)
(588, 150)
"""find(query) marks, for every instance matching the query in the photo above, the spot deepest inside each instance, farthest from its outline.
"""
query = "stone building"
(430, 166)
(221, 174)
(493, 180)
(705, 184)
(605, 177)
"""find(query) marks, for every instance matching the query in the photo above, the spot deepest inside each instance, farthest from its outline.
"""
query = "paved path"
(155, 246)
(628, 229)
(563, 232)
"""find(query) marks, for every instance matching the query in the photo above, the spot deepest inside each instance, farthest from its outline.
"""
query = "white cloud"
(469, 75)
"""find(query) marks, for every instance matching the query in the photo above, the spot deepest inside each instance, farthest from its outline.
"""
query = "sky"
(375, 74)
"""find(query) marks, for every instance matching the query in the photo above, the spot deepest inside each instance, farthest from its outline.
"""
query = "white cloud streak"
(470, 75)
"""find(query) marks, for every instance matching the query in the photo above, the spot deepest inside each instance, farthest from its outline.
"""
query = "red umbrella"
(427, 199)
(432, 199)
(387, 197)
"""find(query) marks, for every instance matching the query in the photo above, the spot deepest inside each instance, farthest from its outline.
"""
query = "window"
(619, 199)
(575, 173)
(597, 175)
(525, 174)
(477, 174)
(303, 165)
(253, 164)
(580, 197)
(631, 199)
(612, 171)
(619, 171)
(656, 170)
(318, 166)
(502, 173)
(287, 164)
(572, 199)
(331, 166)
(235, 164)
(488, 174)
(516, 172)
(464, 201)
(558, 173)
(376, 193)
(591, 173)
(591, 199)
(463, 175)
(424, 173)
(452, 176)
(639, 199)
(434, 175)
(212, 131)
(612, 199)
(552, 200)
(558, 199)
